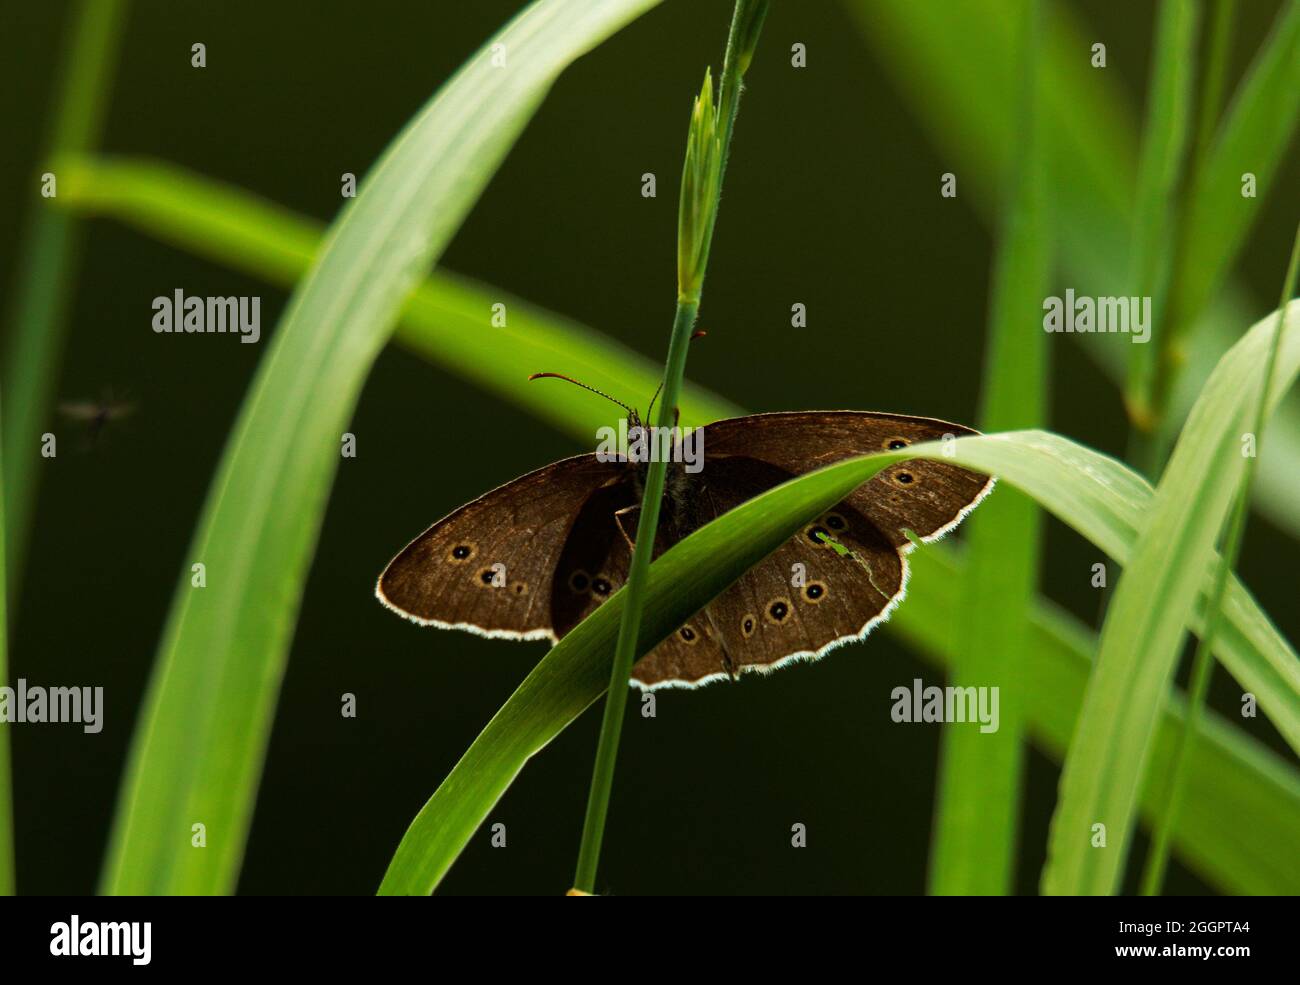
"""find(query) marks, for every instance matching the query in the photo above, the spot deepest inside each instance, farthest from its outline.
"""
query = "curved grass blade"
(445, 320)
(1099, 497)
(1202, 661)
(198, 750)
(1140, 642)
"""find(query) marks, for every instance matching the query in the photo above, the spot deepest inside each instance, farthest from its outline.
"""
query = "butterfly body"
(533, 558)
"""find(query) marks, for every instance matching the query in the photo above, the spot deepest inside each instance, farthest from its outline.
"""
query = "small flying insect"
(95, 414)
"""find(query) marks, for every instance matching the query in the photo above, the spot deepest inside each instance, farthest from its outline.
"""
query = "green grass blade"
(979, 795)
(1260, 124)
(202, 735)
(953, 63)
(1140, 642)
(1230, 775)
(576, 672)
(443, 321)
(1164, 147)
(1107, 503)
(37, 316)
(1203, 662)
(446, 319)
(1095, 494)
(6, 777)
(708, 143)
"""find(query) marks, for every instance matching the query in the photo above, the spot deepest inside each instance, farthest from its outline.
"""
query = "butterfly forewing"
(489, 566)
(922, 495)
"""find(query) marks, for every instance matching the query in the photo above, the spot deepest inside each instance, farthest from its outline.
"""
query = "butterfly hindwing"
(594, 564)
(829, 584)
(489, 566)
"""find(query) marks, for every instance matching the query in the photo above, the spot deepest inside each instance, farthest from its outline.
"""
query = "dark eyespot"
(904, 477)
(835, 521)
(486, 576)
(893, 444)
(747, 627)
(814, 591)
(600, 586)
(818, 536)
(520, 588)
(462, 552)
(778, 609)
(687, 634)
(579, 581)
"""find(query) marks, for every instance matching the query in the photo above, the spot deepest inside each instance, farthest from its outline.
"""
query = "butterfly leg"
(727, 663)
(618, 520)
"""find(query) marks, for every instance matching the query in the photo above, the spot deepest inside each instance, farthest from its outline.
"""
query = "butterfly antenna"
(570, 379)
(649, 411)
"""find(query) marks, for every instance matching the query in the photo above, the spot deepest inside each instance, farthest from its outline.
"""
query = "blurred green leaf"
(447, 319)
(1260, 124)
(1230, 550)
(203, 730)
(1232, 776)
(978, 805)
(953, 64)
(1140, 642)
(47, 256)
(1164, 147)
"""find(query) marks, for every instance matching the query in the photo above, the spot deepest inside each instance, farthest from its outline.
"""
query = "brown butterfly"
(532, 559)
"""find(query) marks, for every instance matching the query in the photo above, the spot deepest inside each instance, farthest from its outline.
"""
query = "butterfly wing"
(807, 597)
(925, 496)
(594, 565)
(489, 566)
(843, 573)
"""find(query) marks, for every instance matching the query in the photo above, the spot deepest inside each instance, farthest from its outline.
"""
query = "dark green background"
(832, 200)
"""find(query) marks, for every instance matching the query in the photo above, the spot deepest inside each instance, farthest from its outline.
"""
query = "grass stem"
(706, 156)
